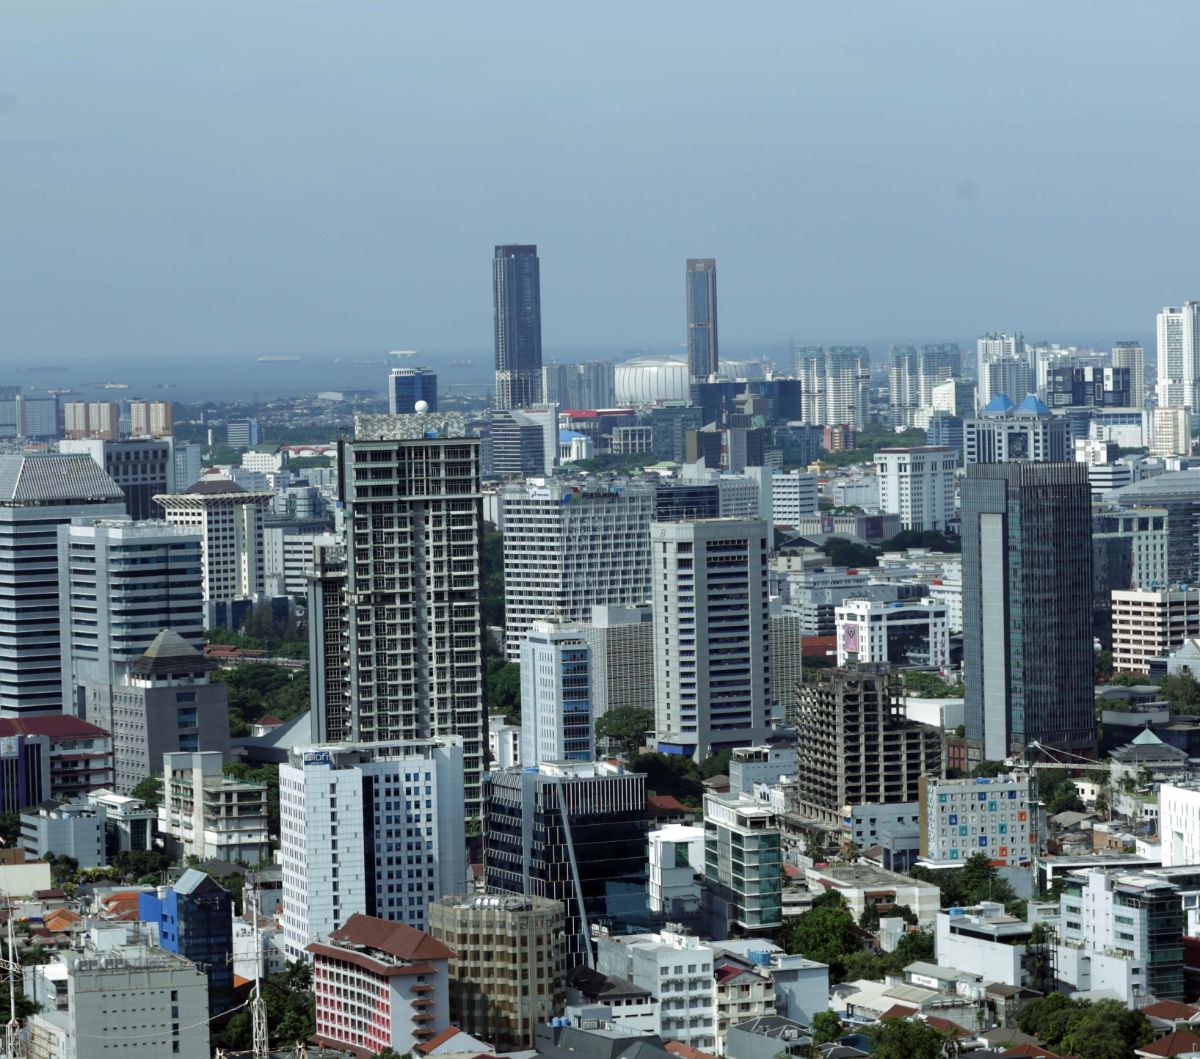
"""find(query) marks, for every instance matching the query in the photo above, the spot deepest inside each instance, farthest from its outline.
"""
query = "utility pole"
(14, 1039)
(258, 1008)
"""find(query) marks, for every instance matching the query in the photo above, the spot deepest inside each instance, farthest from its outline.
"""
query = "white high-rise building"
(569, 546)
(1179, 356)
(918, 485)
(712, 656)
(1171, 431)
(372, 828)
(556, 699)
(914, 372)
(956, 396)
(836, 381)
(229, 521)
(1131, 355)
(39, 493)
(1003, 367)
(792, 495)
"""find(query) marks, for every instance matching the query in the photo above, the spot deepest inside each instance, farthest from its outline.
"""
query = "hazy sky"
(237, 176)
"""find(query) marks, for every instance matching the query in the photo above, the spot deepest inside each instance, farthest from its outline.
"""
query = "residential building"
(745, 1001)
(701, 285)
(194, 918)
(398, 645)
(906, 634)
(918, 485)
(165, 703)
(835, 385)
(711, 631)
(1131, 356)
(985, 940)
(556, 695)
(570, 546)
(376, 829)
(229, 521)
(743, 872)
(210, 815)
(67, 753)
(517, 299)
(1004, 432)
(507, 971)
(142, 468)
(92, 419)
(73, 830)
(676, 867)
(129, 825)
(678, 969)
(629, 1006)
(1171, 431)
(121, 583)
(1027, 550)
(1121, 931)
(962, 817)
(955, 397)
(914, 373)
(37, 418)
(787, 656)
(1003, 366)
(142, 1002)
(1179, 356)
(380, 985)
(1149, 623)
(792, 494)
(573, 832)
(407, 386)
(39, 493)
(855, 745)
(154, 419)
(585, 386)
(621, 639)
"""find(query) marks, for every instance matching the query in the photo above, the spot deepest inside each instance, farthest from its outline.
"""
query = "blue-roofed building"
(998, 405)
(195, 919)
(1005, 432)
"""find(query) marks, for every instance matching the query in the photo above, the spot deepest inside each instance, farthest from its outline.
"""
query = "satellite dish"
(421, 407)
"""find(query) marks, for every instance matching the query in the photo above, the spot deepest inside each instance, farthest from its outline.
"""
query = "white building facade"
(902, 633)
(556, 700)
(1179, 356)
(918, 485)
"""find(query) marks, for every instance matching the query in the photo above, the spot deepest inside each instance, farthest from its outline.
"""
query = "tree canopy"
(291, 1010)
(502, 682)
(255, 689)
(1106, 1029)
(673, 774)
(626, 726)
(901, 1039)
(845, 552)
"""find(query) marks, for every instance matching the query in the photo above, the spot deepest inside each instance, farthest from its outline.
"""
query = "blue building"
(195, 919)
(407, 386)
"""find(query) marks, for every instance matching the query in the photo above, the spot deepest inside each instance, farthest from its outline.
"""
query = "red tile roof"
(1178, 1043)
(899, 1011)
(686, 1051)
(268, 719)
(439, 1040)
(396, 939)
(666, 803)
(1030, 1051)
(950, 1029)
(369, 963)
(1171, 1010)
(56, 726)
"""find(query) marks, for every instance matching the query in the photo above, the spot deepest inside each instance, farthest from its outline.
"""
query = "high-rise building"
(121, 583)
(913, 373)
(856, 745)
(517, 301)
(701, 277)
(712, 656)
(743, 866)
(39, 493)
(787, 656)
(519, 444)
(914, 634)
(398, 629)
(573, 832)
(836, 382)
(1132, 357)
(1179, 356)
(189, 463)
(92, 419)
(142, 467)
(961, 817)
(1087, 387)
(556, 695)
(1171, 431)
(918, 485)
(371, 828)
(37, 418)
(1148, 623)
(242, 433)
(569, 546)
(590, 385)
(1027, 607)
(507, 971)
(1005, 432)
(1003, 366)
(621, 639)
(792, 495)
(229, 521)
(407, 386)
(151, 419)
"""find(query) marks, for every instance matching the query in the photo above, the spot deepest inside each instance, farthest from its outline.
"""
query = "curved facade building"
(646, 380)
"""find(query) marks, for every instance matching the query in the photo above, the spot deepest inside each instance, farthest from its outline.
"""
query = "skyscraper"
(1027, 607)
(407, 386)
(1131, 355)
(701, 282)
(556, 695)
(1179, 356)
(836, 383)
(517, 299)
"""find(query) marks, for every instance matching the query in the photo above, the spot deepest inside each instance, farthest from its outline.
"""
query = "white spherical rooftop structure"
(645, 380)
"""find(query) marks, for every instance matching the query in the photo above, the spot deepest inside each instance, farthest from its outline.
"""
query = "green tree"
(626, 726)
(672, 774)
(825, 933)
(291, 1010)
(1182, 691)
(989, 769)
(1057, 791)
(268, 775)
(491, 578)
(150, 791)
(503, 686)
(931, 539)
(716, 764)
(826, 1027)
(931, 686)
(1103, 1030)
(869, 920)
(901, 1039)
(844, 552)
(905, 913)
(1102, 667)
(10, 828)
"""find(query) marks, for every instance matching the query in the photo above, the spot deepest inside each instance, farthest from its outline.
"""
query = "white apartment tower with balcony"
(712, 656)
(1179, 356)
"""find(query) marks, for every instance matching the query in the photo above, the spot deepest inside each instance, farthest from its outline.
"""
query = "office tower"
(1087, 387)
(573, 832)
(956, 396)
(856, 746)
(621, 639)
(946, 430)
(1179, 356)
(1171, 432)
(1004, 432)
(142, 467)
(399, 630)
(712, 657)
(229, 521)
(590, 385)
(507, 972)
(151, 419)
(517, 302)
(678, 499)
(242, 433)
(1177, 493)
(670, 425)
(209, 815)
(38, 493)
(407, 386)
(371, 828)
(121, 583)
(164, 702)
(1027, 607)
(91, 419)
(37, 418)
(556, 695)
(836, 382)
(140, 1001)
(915, 634)
(787, 658)
(522, 443)
(194, 918)
(1150, 623)
(572, 545)
(288, 554)
(918, 485)
(1131, 357)
(189, 463)
(743, 866)
(380, 988)
(701, 284)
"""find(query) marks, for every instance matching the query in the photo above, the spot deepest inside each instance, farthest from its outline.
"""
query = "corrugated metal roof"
(54, 476)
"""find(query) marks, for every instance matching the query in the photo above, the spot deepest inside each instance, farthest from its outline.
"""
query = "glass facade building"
(701, 279)
(517, 299)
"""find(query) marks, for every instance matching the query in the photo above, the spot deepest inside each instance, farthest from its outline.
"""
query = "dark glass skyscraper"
(517, 297)
(1027, 607)
(701, 279)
